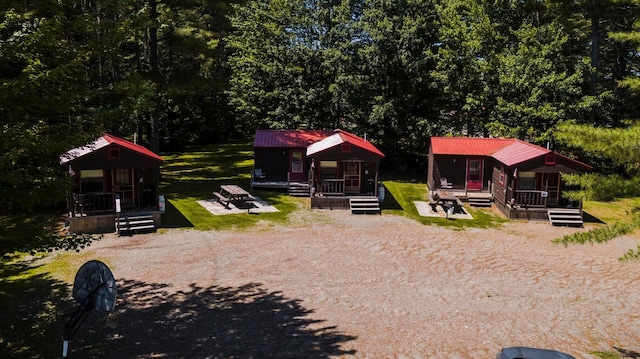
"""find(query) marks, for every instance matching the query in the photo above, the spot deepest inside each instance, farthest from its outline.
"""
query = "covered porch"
(342, 178)
(344, 164)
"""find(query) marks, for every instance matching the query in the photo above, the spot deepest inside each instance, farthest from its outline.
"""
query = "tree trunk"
(595, 50)
(154, 118)
(595, 53)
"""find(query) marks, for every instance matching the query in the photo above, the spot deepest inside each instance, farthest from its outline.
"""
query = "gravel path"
(334, 284)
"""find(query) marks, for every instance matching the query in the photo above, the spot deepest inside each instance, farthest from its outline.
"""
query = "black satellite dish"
(94, 288)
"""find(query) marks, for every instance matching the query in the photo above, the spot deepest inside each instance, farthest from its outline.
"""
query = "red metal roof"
(132, 146)
(104, 141)
(340, 137)
(467, 146)
(509, 151)
(518, 152)
(289, 138)
(506, 150)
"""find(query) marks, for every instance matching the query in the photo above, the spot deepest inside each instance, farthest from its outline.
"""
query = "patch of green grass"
(606, 355)
(399, 197)
(617, 211)
(196, 173)
(25, 232)
(36, 305)
(201, 219)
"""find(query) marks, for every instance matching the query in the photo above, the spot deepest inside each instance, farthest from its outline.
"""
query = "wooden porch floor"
(277, 184)
(462, 194)
(106, 222)
(338, 202)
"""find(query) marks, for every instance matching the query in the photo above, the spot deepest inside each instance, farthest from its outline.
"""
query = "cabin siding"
(499, 188)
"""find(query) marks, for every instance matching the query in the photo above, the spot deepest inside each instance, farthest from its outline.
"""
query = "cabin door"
(296, 166)
(551, 185)
(474, 174)
(123, 186)
(352, 177)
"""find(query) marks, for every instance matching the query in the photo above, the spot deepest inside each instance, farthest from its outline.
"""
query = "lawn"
(399, 201)
(196, 173)
(616, 211)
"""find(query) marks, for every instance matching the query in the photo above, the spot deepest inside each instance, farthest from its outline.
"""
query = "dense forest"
(178, 72)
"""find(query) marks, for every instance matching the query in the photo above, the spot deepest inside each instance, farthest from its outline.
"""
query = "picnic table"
(448, 200)
(232, 193)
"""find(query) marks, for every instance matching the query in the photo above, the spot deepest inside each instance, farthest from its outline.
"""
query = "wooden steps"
(363, 205)
(129, 224)
(299, 189)
(479, 201)
(565, 217)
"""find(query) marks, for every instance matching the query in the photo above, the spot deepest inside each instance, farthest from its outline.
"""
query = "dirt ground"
(334, 284)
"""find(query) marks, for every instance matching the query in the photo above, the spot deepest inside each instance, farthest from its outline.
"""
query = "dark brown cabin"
(107, 170)
(320, 164)
(281, 156)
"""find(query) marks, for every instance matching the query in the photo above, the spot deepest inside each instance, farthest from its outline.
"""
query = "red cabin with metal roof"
(514, 173)
(331, 162)
(281, 155)
(109, 169)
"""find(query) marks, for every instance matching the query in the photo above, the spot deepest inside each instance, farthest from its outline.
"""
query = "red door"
(474, 174)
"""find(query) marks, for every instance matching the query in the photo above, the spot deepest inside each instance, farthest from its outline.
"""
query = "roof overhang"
(104, 141)
(338, 139)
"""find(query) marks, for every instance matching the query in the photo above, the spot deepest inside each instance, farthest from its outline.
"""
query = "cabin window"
(91, 181)
(123, 177)
(526, 180)
(113, 154)
(501, 178)
(550, 160)
(297, 166)
(329, 169)
(346, 148)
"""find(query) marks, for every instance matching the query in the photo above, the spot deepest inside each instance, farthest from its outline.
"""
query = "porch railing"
(332, 187)
(528, 198)
(95, 202)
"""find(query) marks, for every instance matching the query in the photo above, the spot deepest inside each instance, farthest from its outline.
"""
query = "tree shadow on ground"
(213, 322)
(33, 310)
(38, 232)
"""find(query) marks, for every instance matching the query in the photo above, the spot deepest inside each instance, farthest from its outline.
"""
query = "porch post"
(375, 184)
(312, 181)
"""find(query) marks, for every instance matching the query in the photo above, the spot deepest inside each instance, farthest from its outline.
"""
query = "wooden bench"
(249, 202)
(222, 199)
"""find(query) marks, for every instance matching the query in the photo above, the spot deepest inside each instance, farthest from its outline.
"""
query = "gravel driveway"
(333, 284)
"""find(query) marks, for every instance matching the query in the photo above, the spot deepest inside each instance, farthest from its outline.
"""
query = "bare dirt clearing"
(335, 284)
